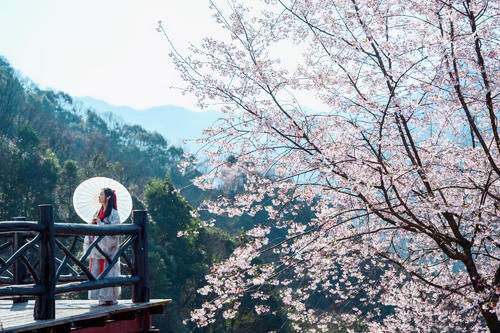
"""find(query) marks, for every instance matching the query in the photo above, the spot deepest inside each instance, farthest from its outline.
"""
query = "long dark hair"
(111, 203)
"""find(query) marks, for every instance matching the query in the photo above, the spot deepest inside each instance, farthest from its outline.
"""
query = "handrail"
(19, 253)
(74, 229)
(69, 229)
(20, 226)
(44, 280)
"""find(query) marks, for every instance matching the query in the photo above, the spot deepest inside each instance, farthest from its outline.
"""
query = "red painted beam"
(140, 324)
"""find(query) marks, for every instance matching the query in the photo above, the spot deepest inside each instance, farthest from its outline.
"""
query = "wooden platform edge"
(93, 313)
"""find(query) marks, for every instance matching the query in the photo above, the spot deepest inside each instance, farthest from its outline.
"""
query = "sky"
(109, 50)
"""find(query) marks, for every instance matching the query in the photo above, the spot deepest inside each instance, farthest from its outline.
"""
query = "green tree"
(185, 258)
(12, 97)
(99, 166)
(8, 171)
(29, 174)
(67, 182)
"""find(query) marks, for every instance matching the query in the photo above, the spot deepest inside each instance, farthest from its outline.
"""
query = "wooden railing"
(34, 268)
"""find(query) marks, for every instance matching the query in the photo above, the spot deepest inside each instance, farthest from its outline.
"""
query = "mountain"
(175, 123)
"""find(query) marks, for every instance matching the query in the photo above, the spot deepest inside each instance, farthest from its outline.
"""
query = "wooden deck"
(71, 314)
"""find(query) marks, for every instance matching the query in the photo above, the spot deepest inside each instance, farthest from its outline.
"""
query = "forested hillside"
(49, 145)
(164, 119)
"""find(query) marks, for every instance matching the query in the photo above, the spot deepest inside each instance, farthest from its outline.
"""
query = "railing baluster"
(45, 303)
(19, 269)
(5, 245)
(140, 290)
(15, 256)
(3, 263)
(65, 261)
(79, 263)
(30, 269)
(116, 258)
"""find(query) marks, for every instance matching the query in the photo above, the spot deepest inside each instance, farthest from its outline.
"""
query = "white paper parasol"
(86, 198)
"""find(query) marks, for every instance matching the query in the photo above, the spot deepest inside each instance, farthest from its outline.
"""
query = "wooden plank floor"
(19, 317)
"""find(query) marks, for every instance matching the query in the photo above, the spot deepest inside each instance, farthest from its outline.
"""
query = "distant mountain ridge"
(175, 123)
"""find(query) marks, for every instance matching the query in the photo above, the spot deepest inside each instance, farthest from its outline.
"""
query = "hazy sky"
(106, 49)
(110, 49)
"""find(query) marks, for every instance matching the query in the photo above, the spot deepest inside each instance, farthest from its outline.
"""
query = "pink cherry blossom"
(400, 167)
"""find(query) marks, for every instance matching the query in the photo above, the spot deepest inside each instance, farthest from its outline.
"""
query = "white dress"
(98, 263)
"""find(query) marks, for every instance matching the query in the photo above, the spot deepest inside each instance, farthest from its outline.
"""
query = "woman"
(109, 245)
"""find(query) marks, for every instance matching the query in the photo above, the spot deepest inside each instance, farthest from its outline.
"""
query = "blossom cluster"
(400, 173)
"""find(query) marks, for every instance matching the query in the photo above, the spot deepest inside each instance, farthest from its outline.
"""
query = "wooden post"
(45, 307)
(19, 269)
(140, 290)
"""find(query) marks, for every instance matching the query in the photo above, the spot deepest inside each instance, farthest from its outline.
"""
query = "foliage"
(184, 258)
(401, 172)
(67, 182)
(25, 160)
(125, 152)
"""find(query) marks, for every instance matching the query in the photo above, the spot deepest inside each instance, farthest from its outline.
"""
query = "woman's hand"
(95, 220)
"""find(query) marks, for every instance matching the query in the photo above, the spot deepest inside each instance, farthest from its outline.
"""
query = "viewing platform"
(41, 259)
(82, 316)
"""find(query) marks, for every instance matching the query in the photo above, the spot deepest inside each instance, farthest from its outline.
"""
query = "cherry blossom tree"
(400, 169)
